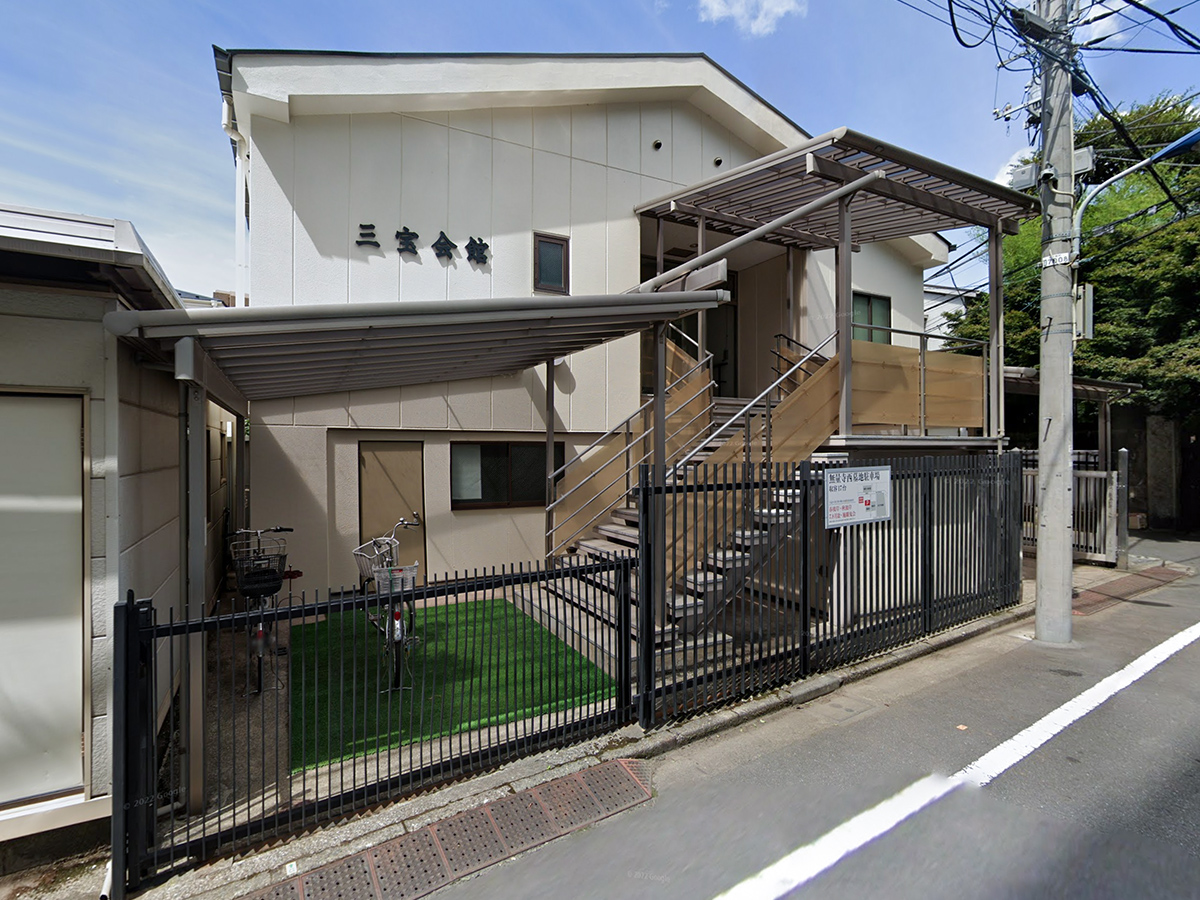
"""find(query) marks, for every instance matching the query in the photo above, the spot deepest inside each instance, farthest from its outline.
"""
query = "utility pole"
(1055, 410)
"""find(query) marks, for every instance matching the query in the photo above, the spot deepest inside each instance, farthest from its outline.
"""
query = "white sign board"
(854, 496)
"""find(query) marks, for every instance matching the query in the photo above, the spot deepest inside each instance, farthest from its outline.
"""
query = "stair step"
(728, 559)
(703, 584)
(776, 516)
(620, 534)
(587, 598)
(602, 549)
(565, 622)
(608, 581)
(684, 604)
(626, 514)
(755, 538)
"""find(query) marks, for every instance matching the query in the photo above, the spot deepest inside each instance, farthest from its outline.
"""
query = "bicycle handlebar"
(262, 531)
(405, 524)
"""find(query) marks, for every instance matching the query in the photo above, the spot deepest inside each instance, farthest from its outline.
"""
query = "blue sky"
(112, 109)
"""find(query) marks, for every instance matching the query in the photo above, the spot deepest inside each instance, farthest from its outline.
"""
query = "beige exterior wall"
(53, 342)
(762, 313)
(149, 477)
(306, 476)
(877, 269)
(500, 175)
(220, 495)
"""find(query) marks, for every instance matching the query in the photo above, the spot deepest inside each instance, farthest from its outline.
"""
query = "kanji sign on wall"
(855, 496)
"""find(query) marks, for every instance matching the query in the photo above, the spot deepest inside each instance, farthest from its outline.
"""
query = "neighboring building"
(89, 500)
(940, 301)
(533, 166)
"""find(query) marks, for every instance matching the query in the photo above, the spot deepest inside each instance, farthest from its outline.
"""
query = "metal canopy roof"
(298, 350)
(1024, 380)
(918, 196)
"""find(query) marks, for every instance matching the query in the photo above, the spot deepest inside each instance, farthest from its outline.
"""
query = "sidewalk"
(426, 841)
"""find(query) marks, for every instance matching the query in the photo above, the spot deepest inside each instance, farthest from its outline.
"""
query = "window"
(550, 263)
(871, 310)
(499, 473)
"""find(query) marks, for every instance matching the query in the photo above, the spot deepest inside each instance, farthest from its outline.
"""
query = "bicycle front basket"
(373, 554)
(260, 576)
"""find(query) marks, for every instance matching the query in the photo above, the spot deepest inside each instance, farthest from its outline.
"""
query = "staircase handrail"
(624, 425)
(781, 360)
(927, 335)
(762, 396)
(687, 337)
(780, 336)
(604, 512)
(632, 466)
(620, 425)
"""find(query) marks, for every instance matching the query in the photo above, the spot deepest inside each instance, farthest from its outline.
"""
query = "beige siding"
(53, 341)
(499, 175)
(220, 496)
(307, 477)
(877, 269)
(762, 313)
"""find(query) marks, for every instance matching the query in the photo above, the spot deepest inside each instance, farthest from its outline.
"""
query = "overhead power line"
(1178, 30)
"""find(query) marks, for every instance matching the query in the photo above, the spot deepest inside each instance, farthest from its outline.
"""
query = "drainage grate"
(349, 879)
(1161, 574)
(418, 863)
(1127, 586)
(288, 890)
(409, 866)
(1088, 602)
(521, 821)
(639, 769)
(568, 802)
(469, 840)
(613, 787)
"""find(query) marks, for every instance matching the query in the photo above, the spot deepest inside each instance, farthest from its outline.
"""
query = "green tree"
(1141, 254)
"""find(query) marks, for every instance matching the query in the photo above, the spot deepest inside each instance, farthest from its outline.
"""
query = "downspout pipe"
(239, 202)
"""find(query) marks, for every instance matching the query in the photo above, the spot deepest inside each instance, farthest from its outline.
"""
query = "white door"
(41, 596)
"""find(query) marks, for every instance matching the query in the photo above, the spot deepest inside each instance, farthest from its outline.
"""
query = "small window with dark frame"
(492, 474)
(550, 263)
(872, 310)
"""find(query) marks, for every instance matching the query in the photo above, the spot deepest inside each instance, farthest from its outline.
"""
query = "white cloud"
(1100, 22)
(1004, 176)
(753, 17)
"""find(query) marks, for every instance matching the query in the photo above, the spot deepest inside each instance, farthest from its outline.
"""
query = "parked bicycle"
(260, 566)
(395, 617)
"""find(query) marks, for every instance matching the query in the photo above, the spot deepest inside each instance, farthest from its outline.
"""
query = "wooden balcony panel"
(887, 387)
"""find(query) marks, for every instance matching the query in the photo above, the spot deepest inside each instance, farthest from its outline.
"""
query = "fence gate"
(1100, 504)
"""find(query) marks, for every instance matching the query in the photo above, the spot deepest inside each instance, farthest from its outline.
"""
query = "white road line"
(811, 860)
(807, 862)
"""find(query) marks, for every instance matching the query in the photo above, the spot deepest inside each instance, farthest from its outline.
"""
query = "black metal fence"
(244, 725)
(240, 726)
(752, 590)
(1081, 460)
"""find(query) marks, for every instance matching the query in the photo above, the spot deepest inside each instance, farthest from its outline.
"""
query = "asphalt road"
(1110, 807)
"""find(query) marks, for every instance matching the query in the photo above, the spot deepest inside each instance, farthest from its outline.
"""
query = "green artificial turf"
(478, 664)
